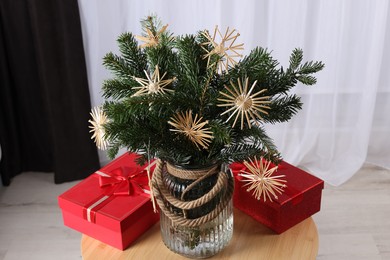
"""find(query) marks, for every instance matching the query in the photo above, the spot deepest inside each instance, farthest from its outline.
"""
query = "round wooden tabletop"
(251, 240)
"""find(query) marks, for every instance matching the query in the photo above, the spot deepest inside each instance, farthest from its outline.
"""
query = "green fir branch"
(282, 109)
(165, 58)
(118, 89)
(295, 59)
(191, 63)
(135, 58)
(118, 66)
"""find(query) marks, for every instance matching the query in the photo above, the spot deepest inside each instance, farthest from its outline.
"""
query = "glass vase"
(211, 236)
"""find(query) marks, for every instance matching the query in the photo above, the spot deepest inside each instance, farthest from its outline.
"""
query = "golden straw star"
(151, 40)
(99, 119)
(224, 47)
(153, 84)
(243, 104)
(261, 181)
(193, 128)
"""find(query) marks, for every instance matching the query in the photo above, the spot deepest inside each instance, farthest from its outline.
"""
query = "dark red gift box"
(112, 205)
(299, 200)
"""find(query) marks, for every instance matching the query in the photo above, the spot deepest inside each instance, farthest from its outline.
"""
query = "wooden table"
(251, 240)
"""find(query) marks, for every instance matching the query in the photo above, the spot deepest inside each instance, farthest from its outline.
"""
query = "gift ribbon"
(89, 209)
(125, 184)
(117, 182)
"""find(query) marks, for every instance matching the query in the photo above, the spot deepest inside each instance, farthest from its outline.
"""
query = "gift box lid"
(298, 183)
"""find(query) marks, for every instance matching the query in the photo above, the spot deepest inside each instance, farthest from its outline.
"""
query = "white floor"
(354, 222)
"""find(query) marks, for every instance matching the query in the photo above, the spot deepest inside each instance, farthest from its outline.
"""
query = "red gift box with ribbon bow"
(113, 204)
(300, 199)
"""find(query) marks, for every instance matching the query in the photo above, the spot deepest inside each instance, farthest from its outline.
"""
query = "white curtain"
(345, 119)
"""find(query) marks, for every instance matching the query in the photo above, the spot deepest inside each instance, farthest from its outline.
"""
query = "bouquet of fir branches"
(195, 99)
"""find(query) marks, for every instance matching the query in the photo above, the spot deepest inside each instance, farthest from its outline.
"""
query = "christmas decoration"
(225, 49)
(153, 84)
(99, 119)
(184, 119)
(151, 39)
(193, 128)
(260, 179)
(243, 103)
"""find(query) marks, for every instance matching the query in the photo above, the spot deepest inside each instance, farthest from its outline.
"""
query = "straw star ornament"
(151, 39)
(153, 84)
(260, 179)
(224, 46)
(193, 128)
(99, 119)
(243, 103)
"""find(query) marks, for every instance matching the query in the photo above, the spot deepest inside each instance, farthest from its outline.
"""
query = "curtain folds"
(45, 103)
(344, 122)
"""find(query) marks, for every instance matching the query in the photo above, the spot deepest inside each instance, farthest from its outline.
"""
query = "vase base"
(203, 241)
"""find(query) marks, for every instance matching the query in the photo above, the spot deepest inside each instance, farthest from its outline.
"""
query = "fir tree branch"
(152, 23)
(307, 80)
(221, 132)
(258, 65)
(119, 66)
(295, 59)
(252, 142)
(117, 89)
(282, 109)
(134, 57)
(189, 57)
(113, 149)
(310, 67)
(165, 58)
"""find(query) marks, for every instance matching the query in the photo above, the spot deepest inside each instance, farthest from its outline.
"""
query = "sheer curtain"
(344, 121)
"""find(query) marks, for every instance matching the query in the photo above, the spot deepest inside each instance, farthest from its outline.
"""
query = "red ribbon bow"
(125, 181)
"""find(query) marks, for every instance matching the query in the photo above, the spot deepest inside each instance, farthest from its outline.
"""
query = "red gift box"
(112, 205)
(300, 199)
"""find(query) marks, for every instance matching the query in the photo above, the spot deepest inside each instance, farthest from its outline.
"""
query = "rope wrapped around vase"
(162, 195)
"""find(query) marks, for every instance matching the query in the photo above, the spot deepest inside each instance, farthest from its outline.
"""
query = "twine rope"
(162, 195)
